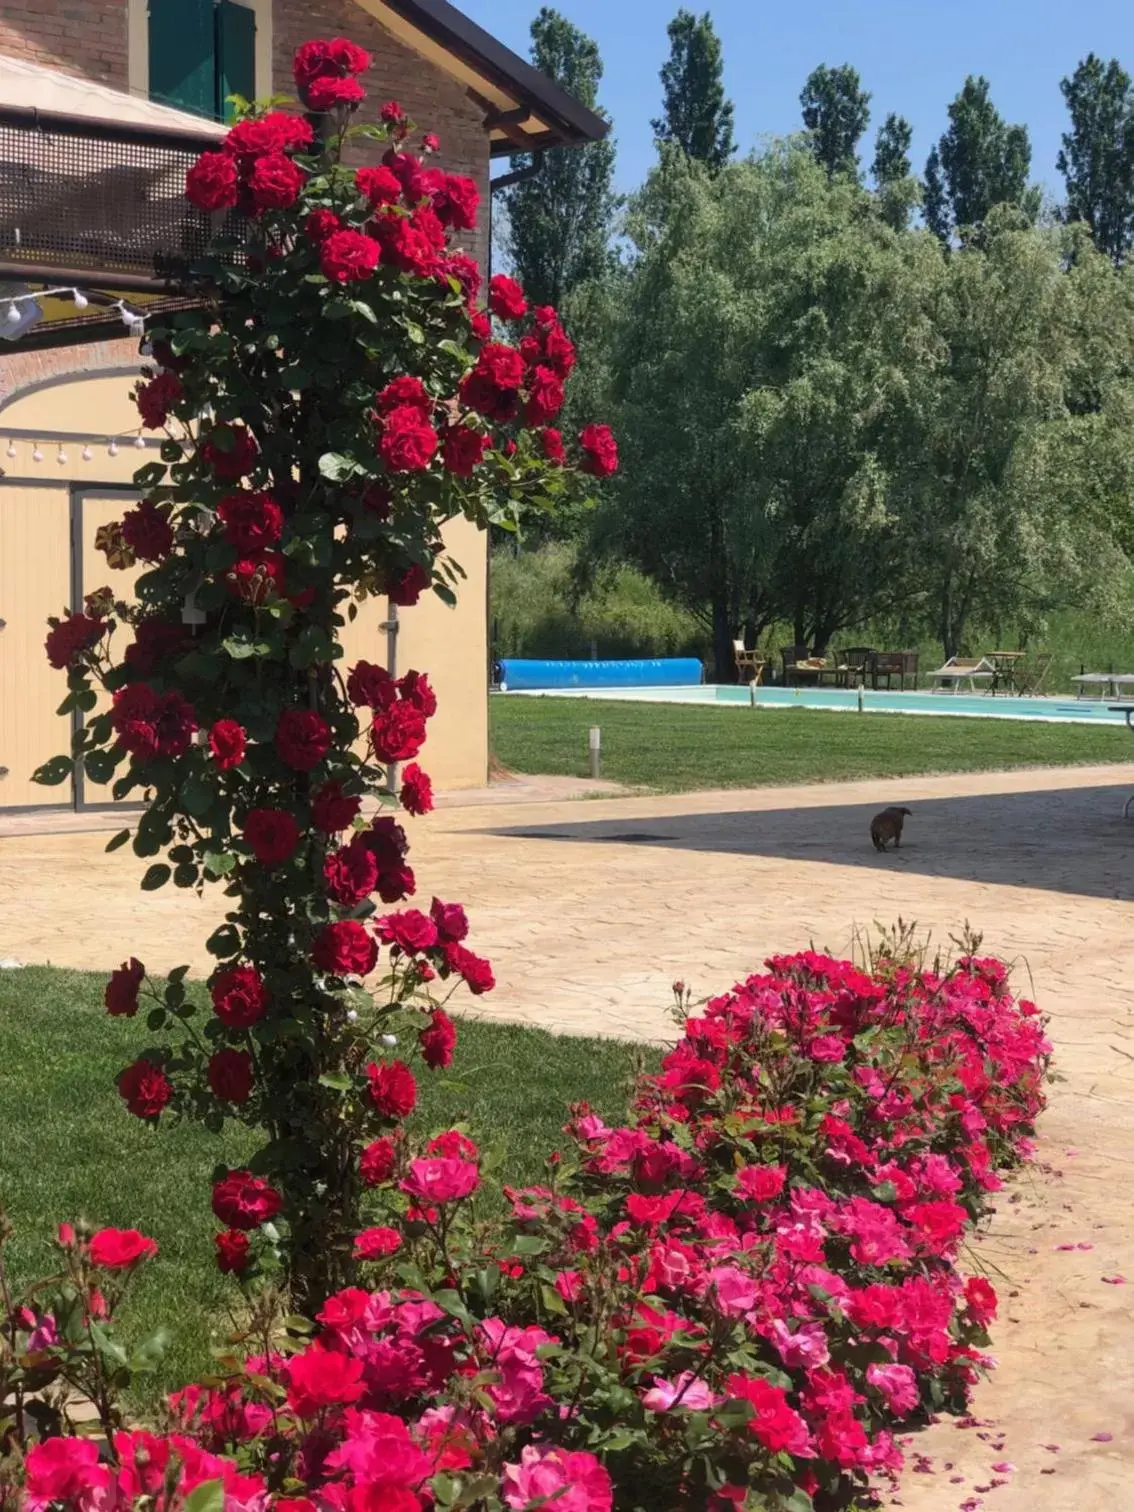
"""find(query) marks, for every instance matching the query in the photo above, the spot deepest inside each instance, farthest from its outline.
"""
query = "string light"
(13, 316)
(37, 455)
(112, 449)
(61, 458)
(140, 442)
(87, 453)
(79, 299)
(11, 448)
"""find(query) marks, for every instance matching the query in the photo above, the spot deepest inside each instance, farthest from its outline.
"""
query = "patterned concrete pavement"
(590, 911)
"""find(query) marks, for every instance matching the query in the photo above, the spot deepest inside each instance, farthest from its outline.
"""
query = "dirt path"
(589, 911)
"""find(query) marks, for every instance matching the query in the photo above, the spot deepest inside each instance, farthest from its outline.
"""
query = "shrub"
(731, 1302)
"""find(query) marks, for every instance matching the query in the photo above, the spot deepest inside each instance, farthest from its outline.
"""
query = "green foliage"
(1097, 156)
(697, 117)
(542, 605)
(980, 162)
(898, 191)
(559, 221)
(836, 111)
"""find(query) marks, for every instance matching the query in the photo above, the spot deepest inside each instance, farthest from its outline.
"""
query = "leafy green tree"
(1097, 157)
(836, 111)
(757, 390)
(980, 162)
(892, 171)
(697, 116)
(558, 228)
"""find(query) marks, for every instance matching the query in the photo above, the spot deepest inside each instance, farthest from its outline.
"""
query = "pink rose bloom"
(805, 1349)
(827, 1047)
(897, 1384)
(441, 1180)
(569, 1481)
(761, 1182)
(735, 1290)
(695, 1395)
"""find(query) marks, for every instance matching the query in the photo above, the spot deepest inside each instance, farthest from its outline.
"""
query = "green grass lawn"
(676, 748)
(68, 1148)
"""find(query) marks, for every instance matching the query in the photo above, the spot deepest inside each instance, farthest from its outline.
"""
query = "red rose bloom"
(480, 326)
(392, 114)
(402, 391)
(73, 635)
(417, 791)
(506, 298)
(327, 94)
(119, 1249)
(345, 949)
(144, 1088)
(230, 451)
(980, 1299)
(553, 449)
(278, 131)
(227, 741)
(348, 256)
(393, 1090)
(370, 686)
(121, 996)
(602, 450)
(147, 532)
(212, 183)
(272, 834)
(234, 1252)
(320, 223)
(229, 1075)
(351, 874)
(252, 521)
(408, 440)
(451, 920)
(275, 183)
(407, 589)
(320, 1378)
(148, 725)
(377, 1162)
(481, 394)
(303, 738)
(243, 1201)
(155, 641)
(466, 271)
(430, 142)
(239, 996)
(156, 398)
(322, 58)
(502, 365)
(378, 186)
(410, 931)
(407, 245)
(332, 810)
(438, 1041)
(545, 397)
(415, 689)
(559, 351)
(476, 971)
(463, 450)
(458, 202)
(398, 733)
(376, 1243)
(256, 579)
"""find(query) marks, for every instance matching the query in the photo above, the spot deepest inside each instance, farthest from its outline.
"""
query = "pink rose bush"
(655, 1327)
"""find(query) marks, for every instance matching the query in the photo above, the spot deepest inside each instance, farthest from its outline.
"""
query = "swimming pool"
(967, 705)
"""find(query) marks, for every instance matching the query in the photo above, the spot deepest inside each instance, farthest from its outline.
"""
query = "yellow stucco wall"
(449, 644)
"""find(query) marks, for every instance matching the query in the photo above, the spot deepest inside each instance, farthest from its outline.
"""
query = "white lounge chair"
(1109, 684)
(963, 669)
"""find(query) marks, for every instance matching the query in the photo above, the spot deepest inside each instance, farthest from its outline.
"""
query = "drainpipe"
(390, 625)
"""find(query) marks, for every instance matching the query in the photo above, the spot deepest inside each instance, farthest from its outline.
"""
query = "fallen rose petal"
(1060, 1247)
(1084, 1246)
(1115, 1280)
(1051, 1448)
(1003, 1467)
(1102, 1438)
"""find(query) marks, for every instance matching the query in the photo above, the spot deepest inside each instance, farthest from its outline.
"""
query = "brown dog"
(887, 826)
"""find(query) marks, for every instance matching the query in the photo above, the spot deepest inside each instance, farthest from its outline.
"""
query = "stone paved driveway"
(589, 912)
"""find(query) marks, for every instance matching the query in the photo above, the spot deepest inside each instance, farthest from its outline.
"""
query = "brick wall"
(19, 370)
(85, 37)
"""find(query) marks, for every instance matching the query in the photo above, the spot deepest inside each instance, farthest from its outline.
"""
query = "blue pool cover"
(669, 672)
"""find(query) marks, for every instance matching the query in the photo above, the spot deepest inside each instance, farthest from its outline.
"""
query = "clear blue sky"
(913, 56)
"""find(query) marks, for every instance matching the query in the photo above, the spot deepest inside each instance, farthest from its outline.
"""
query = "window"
(200, 53)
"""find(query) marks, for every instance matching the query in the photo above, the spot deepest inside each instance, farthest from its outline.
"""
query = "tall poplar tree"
(836, 111)
(696, 114)
(1097, 159)
(981, 161)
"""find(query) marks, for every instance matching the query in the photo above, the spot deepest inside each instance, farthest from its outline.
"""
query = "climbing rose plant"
(341, 394)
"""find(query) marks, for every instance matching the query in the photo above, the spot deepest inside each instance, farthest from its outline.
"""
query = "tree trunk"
(723, 659)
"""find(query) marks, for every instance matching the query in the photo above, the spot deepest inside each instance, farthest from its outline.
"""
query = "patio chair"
(794, 673)
(859, 665)
(1031, 677)
(962, 669)
(888, 665)
(749, 664)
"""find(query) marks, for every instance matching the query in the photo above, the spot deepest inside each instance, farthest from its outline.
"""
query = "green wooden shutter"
(183, 55)
(236, 55)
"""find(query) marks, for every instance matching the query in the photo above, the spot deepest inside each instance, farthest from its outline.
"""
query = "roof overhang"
(524, 111)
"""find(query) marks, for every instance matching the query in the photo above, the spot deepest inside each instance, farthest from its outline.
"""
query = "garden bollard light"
(860, 698)
(595, 749)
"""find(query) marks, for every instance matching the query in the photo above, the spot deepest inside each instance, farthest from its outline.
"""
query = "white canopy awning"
(30, 86)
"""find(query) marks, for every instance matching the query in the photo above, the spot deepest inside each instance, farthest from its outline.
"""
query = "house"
(102, 106)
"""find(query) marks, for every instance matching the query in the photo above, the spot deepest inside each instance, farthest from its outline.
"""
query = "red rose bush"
(341, 393)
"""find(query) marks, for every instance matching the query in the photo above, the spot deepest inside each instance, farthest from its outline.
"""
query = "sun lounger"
(963, 669)
(1109, 684)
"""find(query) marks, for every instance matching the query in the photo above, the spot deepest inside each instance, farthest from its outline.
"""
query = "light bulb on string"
(140, 442)
(37, 455)
(79, 299)
(11, 448)
(112, 449)
(87, 453)
(61, 456)
(12, 315)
